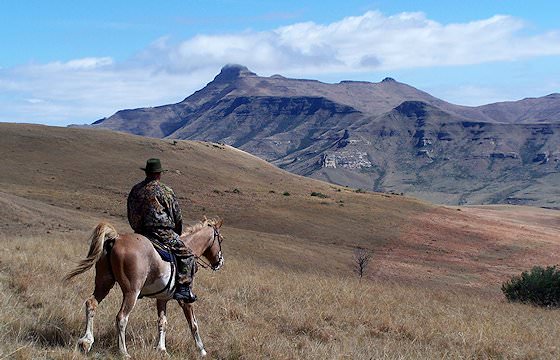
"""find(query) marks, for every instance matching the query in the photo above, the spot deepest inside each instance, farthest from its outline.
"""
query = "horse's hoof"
(162, 351)
(202, 353)
(84, 345)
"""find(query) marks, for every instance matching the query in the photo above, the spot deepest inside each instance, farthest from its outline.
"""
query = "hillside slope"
(90, 172)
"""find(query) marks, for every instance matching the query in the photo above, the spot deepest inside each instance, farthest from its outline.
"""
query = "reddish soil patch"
(476, 247)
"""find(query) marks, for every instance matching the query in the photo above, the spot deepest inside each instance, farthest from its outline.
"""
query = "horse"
(132, 261)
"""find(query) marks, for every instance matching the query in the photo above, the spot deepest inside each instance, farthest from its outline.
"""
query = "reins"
(206, 265)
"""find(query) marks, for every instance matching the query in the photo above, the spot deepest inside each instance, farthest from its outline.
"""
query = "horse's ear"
(220, 223)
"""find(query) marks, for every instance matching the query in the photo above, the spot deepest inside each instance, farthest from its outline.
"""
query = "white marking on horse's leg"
(196, 336)
(121, 328)
(129, 300)
(85, 342)
(162, 324)
(191, 319)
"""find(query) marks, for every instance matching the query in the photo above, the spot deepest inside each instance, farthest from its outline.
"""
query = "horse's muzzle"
(216, 267)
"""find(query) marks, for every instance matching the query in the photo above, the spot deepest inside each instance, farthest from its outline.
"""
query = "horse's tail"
(102, 233)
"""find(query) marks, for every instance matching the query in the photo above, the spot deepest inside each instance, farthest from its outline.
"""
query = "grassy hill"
(287, 289)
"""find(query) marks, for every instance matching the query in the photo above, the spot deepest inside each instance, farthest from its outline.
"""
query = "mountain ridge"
(386, 136)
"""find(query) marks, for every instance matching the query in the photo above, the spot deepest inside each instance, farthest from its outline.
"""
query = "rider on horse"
(153, 211)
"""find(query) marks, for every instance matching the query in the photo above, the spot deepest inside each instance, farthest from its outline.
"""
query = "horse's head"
(214, 251)
(205, 241)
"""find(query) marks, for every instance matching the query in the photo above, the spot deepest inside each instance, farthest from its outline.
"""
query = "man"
(153, 211)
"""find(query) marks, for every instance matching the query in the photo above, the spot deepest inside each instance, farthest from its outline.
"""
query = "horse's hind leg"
(129, 300)
(162, 324)
(104, 281)
(189, 314)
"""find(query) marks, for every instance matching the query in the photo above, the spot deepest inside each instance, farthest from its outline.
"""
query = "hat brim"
(160, 171)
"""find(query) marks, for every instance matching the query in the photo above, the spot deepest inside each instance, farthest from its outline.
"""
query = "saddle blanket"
(164, 254)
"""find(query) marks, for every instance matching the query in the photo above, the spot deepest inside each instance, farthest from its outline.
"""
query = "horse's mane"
(189, 230)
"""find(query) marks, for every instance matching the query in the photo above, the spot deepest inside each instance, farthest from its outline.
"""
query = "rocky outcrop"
(232, 72)
(352, 160)
(499, 155)
(541, 158)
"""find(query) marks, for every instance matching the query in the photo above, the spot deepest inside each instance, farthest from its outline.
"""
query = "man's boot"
(185, 267)
(183, 292)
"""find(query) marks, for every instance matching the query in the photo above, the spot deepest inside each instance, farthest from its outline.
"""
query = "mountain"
(386, 136)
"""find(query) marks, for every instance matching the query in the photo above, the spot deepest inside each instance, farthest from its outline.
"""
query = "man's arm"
(177, 216)
(133, 218)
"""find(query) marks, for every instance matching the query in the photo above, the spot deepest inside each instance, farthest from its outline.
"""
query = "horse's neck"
(198, 241)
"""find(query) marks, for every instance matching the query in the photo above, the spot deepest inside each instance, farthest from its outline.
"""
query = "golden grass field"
(287, 290)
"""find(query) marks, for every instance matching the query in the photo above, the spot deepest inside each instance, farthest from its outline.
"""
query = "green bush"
(538, 287)
(320, 195)
(286, 193)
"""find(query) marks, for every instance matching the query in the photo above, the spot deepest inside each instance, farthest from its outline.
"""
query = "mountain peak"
(231, 72)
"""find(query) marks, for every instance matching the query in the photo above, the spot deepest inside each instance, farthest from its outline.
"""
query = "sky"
(74, 62)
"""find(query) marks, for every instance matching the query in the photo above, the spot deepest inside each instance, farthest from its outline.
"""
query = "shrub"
(286, 193)
(320, 195)
(539, 286)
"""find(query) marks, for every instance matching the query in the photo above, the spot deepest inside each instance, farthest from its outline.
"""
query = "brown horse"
(132, 262)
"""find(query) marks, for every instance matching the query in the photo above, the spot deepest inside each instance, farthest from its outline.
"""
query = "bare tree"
(361, 260)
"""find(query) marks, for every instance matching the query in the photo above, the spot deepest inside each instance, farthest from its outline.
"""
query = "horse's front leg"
(191, 319)
(162, 324)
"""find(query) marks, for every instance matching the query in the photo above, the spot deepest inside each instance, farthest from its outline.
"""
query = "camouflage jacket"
(153, 211)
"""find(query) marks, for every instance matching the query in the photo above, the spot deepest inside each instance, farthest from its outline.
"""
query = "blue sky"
(68, 62)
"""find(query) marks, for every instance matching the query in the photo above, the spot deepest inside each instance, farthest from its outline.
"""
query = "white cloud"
(83, 90)
(77, 92)
(35, 101)
(370, 42)
(89, 63)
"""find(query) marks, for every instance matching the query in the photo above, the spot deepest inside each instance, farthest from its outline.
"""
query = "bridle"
(206, 265)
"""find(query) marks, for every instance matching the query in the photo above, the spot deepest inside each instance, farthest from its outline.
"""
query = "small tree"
(361, 260)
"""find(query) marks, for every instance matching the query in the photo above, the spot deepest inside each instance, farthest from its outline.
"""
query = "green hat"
(153, 166)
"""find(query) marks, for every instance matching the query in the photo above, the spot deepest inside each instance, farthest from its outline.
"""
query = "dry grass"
(287, 289)
(250, 311)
